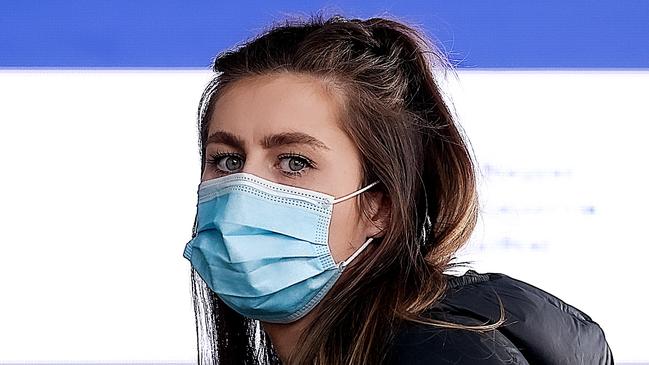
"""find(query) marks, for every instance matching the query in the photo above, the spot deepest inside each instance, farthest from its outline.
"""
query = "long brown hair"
(382, 74)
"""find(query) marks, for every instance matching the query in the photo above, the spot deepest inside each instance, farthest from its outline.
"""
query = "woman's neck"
(284, 336)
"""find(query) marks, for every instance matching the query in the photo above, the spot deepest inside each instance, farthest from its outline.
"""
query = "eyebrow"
(292, 138)
(225, 138)
(270, 141)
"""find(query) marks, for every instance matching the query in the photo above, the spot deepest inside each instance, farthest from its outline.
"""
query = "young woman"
(335, 189)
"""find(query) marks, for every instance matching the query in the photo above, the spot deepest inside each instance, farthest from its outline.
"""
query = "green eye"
(232, 163)
(226, 162)
(294, 164)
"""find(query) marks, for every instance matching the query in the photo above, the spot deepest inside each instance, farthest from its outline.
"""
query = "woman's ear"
(376, 218)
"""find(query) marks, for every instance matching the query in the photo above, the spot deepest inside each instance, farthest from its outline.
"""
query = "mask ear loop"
(343, 264)
(354, 193)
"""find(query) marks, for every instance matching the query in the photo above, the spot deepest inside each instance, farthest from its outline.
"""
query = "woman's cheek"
(343, 235)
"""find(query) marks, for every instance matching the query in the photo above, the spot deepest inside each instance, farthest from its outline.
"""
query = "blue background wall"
(608, 34)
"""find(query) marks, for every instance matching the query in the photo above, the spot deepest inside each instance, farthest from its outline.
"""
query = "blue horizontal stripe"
(604, 34)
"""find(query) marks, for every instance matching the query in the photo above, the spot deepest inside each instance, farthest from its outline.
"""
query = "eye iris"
(232, 163)
(295, 164)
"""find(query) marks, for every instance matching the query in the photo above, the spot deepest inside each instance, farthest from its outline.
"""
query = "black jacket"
(539, 328)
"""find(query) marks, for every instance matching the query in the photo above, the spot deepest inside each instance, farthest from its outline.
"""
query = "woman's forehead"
(287, 103)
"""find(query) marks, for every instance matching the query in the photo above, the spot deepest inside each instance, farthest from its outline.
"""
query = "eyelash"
(215, 158)
(308, 163)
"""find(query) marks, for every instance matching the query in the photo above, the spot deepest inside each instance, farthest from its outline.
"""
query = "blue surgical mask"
(263, 247)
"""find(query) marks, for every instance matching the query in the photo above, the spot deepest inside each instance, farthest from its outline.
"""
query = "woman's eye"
(226, 162)
(294, 164)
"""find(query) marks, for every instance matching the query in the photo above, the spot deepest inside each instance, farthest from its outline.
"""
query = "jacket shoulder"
(426, 344)
(541, 326)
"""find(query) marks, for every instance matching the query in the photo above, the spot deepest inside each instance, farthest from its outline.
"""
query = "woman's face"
(284, 128)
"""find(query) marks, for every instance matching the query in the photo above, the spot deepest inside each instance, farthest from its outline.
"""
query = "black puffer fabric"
(539, 328)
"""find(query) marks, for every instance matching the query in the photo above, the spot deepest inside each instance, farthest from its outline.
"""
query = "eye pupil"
(230, 165)
(296, 164)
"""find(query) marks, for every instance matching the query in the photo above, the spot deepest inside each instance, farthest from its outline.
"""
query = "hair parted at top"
(380, 73)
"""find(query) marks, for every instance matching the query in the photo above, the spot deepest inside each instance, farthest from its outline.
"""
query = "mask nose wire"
(354, 193)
